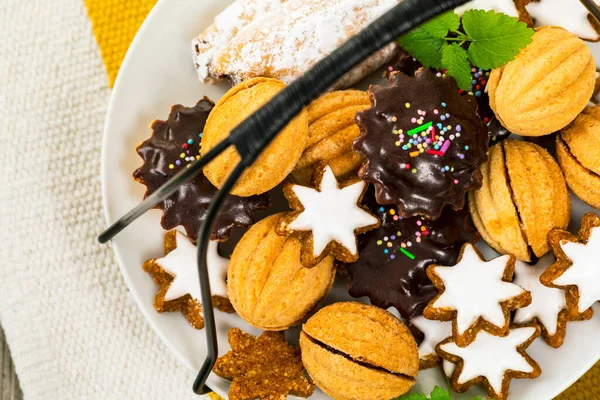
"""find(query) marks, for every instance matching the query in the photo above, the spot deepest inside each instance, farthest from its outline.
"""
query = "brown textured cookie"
(546, 86)
(523, 197)
(189, 306)
(331, 132)
(267, 283)
(356, 351)
(276, 162)
(578, 151)
(262, 368)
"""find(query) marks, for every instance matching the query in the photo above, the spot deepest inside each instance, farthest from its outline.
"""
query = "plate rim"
(104, 183)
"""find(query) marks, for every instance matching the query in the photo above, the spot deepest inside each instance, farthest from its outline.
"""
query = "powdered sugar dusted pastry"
(569, 14)
(433, 333)
(492, 360)
(176, 274)
(327, 218)
(577, 269)
(548, 308)
(210, 44)
(297, 35)
(475, 295)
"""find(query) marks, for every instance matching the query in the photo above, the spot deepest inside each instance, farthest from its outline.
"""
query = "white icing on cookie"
(332, 214)
(434, 332)
(474, 288)
(448, 368)
(546, 302)
(181, 263)
(585, 271)
(491, 356)
(504, 6)
(569, 14)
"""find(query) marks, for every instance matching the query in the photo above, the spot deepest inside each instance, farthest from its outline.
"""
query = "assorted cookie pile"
(389, 190)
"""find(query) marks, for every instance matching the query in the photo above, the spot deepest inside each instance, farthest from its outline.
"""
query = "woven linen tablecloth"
(72, 327)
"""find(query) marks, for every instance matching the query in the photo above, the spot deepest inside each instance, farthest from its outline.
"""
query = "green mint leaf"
(439, 393)
(454, 60)
(476, 398)
(439, 26)
(412, 396)
(495, 38)
(424, 47)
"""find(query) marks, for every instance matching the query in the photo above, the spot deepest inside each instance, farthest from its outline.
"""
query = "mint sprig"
(486, 40)
(437, 393)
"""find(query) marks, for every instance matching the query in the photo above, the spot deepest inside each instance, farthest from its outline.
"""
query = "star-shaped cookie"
(434, 332)
(577, 268)
(262, 368)
(548, 308)
(475, 295)
(492, 360)
(176, 274)
(327, 218)
(569, 14)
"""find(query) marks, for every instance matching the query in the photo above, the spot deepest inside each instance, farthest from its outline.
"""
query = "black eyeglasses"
(254, 134)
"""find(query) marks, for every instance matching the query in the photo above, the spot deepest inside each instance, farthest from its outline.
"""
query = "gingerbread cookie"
(331, 131)
(176, 274)
(175, 144)
(547, 84)
(262, 368)
(423, 152)
(523, 197)
(356, 351)
(577, 269)
(492, 361)
(568, 14)
(276, 161)
(475, 295)
(327, 218)
(268, 284)
(393, 258)
(578, 155)
(548, 308)
(433, 332)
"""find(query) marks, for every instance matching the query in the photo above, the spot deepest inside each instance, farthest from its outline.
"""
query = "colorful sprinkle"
(407, 253)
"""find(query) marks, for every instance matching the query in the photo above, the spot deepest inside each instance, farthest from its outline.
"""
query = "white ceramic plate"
(157, 73)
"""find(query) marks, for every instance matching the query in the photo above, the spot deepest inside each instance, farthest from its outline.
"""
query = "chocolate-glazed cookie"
(174, 144)
(422, 144)
(393, 258)
(406, 63)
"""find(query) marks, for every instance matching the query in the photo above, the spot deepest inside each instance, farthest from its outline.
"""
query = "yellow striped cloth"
(115, 23)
